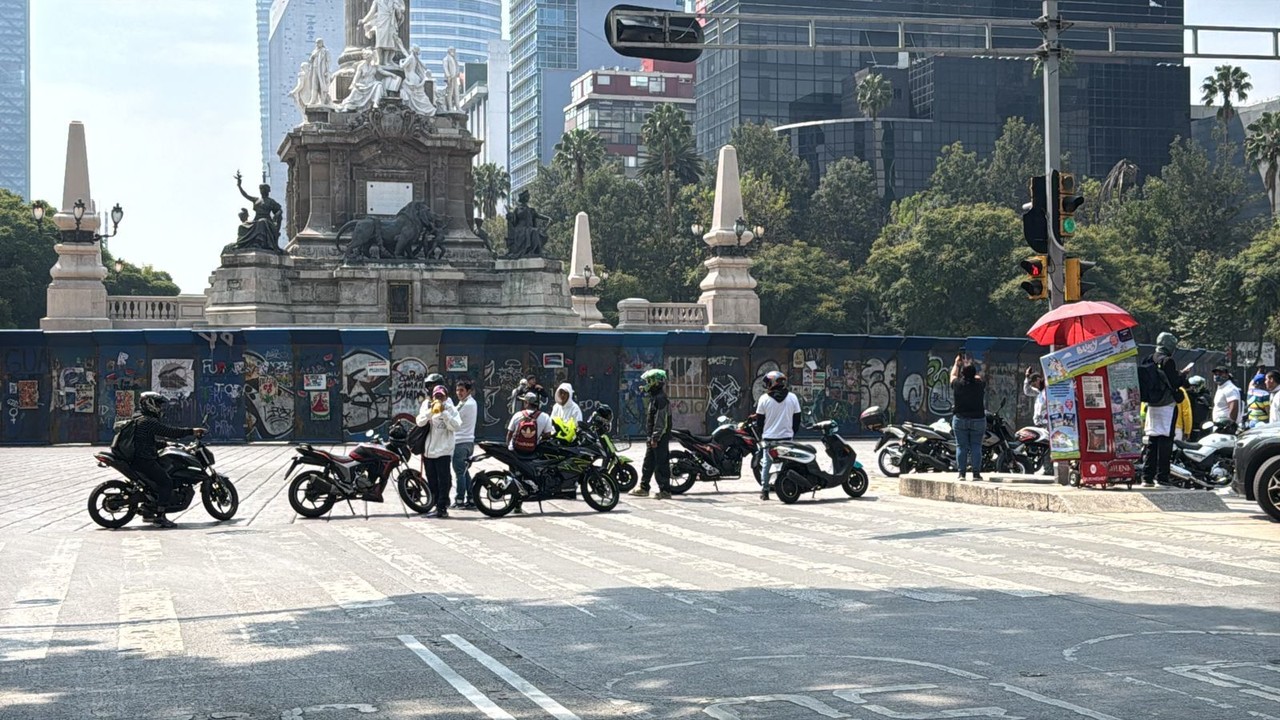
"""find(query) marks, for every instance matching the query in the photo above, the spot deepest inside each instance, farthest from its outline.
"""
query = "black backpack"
(1153, 385)
(417, 439)
(122, 445)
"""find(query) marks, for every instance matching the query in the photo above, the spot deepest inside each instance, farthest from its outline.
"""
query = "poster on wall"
(319, 405)
(552, 360)
(378, 369)
(455, 363)
(84, 398)
(174, 379)
(1096, 436)
(1126, 417)
(315, 381)
(1064, 434)
(1091, 389)
(124, 404)
(28, 394)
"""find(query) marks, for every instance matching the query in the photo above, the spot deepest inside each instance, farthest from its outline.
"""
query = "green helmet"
(653, 378)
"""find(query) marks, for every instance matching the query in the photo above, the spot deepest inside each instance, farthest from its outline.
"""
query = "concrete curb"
(1055, 498)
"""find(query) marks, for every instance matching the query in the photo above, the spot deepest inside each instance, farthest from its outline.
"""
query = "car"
(1257, 458)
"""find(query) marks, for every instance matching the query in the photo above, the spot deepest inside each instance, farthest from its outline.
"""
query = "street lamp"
(696, 229)
(119, 265)
(739, 228)
(759, 231)
(37, 213)
(117, 214)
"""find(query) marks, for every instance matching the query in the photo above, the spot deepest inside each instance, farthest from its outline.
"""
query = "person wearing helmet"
(777, 419)
(147, 429)
(657, 462)
(1201, 401)
(444, 421)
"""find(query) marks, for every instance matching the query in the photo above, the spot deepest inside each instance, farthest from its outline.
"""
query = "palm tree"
(670, 152)
(579, 150)
(1226, 80)
(875, 92)
(492, 184)
(1262, 147)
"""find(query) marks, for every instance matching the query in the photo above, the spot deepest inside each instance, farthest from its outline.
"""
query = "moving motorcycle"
(362, 474)
(115, 502)
(555, 472)
(798, 470)
(715, 457)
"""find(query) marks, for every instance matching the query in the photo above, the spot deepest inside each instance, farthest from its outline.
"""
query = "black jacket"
(145, 432)
(658, 417)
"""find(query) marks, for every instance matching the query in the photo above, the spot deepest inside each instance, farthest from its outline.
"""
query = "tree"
(845, 213)
(670, 153)
(802, 290)
(493, 184)
(132, 279)
(26, 254)
(1018, 156)
(579, 150)
(875, 92)
(1262, 147)
(766, 155)
(1226, 81)
(957, 177)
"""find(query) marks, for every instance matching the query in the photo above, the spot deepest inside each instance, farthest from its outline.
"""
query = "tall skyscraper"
(465, 25)
(286, 40)
(15, 97)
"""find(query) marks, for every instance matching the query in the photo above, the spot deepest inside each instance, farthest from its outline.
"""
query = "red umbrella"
(1079, 321)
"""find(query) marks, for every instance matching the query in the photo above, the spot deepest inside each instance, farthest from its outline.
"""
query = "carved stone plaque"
(386, 198)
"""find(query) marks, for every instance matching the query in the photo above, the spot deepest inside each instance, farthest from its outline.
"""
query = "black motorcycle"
(889, 447)
(715, 457)
(596, 435)
(555, 472)
(361, 474)
(799, 473)
(115, 502)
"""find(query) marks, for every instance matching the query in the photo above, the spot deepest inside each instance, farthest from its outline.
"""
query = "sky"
(168, 92)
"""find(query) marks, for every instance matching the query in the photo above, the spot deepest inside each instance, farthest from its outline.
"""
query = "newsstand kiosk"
(1091, 398)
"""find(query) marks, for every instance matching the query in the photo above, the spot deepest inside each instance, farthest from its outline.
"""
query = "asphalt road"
(713, 604)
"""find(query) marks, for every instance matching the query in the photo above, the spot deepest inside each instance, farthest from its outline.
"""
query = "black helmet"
(151, 403)
(775, 380)
(602, 419)
(398, 433)
(433, 380)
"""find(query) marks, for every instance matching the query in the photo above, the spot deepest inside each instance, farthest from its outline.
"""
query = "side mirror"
(626, 24)
(723, 419)
(369, 433)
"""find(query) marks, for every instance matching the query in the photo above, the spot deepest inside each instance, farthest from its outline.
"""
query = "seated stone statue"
(263, 231)
(525, 237)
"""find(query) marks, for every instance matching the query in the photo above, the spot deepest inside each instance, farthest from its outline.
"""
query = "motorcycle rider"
(1201, 403)
(657, 461)
(437, 457)
(1161, 415)
(147, 428)
(566, 408)
(777, 419)
(1226, 401)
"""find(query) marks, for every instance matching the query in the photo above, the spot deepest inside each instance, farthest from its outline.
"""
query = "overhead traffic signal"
(1075, 269)
(1035, 217)
(1066, 203)
(1036, 286)
(636, 24)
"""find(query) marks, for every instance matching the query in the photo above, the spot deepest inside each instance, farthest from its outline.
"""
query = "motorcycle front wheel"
(683, 472)
(220, 499)
(857, 483)
(625, 477)
(111, 504)
(599, 490)
(414, 491)
(890, 459)
(311, 495)
(494, 493)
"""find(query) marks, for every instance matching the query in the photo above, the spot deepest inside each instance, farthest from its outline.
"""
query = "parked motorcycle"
(597, 435)
(555, 472)
(799, 472)
(361, 474)
(889, 447)
(1208, 464)
(716, 457)
(1034, 443)
(115, 502)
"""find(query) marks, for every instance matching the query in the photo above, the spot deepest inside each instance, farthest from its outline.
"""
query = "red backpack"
(526, 437)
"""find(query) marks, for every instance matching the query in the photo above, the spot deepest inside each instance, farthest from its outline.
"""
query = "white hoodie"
(569, 410)
(440, 440)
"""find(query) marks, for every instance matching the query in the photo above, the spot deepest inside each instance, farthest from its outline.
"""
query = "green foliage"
(1262, 148)
(845, 214)
(875, 92)
(1226, 81)
(802, 290)
(671, 155)
(762, 153)
(1018, 155)
(493, 185)
(957, 178)
(26, 254)
(132, 279)
(579, 151)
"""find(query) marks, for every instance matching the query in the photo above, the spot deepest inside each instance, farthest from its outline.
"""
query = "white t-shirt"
(777, 416)
(545, 427)
(1227, 392)
(467, 411)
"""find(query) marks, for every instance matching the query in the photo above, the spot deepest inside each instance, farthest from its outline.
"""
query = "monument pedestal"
(250, 289)
(729, 294)
(77, 299)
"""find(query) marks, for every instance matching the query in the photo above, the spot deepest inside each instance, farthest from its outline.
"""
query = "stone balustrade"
(137, 312)
(640, 314)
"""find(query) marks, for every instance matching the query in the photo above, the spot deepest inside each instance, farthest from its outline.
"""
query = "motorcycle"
(715, 457)
(1034, 444)
(361, 474)
(615, 465)
(889, 447)
(554, 472)
(798, 470)
(1207, 464)
(115, 502)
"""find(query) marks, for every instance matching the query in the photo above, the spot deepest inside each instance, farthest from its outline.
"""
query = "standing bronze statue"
(263, 231)
(525, 237)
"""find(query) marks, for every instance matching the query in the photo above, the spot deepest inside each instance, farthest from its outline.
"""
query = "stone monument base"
(730, 297)
(76, 299)
(250, 289)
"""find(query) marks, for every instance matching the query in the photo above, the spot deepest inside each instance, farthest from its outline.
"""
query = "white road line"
(1037, 697)
(459, 683)
(149, 623)
(29, 623)
(526, 688)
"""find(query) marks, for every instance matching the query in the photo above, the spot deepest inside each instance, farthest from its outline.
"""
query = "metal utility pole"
(1050, 24)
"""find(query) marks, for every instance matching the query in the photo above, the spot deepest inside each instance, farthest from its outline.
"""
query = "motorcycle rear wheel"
(311, 495)
(493, 497)
(857, 483)
(599, 490)
(111, 504)
(220, 499)
(683, 474)
(625, 477)
(788, 490)
(1013, 465)
(890, 459)
(414, 491)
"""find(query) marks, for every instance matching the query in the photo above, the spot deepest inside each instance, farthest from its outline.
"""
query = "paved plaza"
(710, 605)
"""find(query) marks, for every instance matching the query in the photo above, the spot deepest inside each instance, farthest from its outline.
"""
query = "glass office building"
(15, 97)
(1110, 110)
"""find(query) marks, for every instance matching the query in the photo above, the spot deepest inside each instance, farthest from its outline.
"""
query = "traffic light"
(1065, 205)
(1037, 283)
(1075, 269)
(1035, 218)
(636, 24)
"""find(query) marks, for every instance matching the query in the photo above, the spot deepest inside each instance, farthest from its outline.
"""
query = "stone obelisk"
(728, 290)
(76, 298)
(583, 277)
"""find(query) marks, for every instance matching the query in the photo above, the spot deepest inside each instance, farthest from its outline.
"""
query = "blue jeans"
(461, 452)
(969, 432)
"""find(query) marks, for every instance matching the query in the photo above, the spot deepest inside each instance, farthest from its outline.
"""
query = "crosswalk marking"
(526, 688)
(350, 591)
(149, 623)
(27, 626)
(459, 683)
